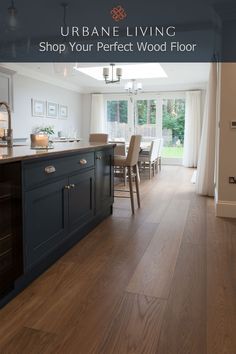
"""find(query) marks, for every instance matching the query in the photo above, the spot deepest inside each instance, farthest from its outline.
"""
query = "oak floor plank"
(85, 314)
(28, 341)
(80, 305)
(136, 326)
(184, 324)
(153, 274)
(195, 230)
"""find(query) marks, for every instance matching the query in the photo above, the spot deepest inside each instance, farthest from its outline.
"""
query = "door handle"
(67, 187)
(83, 162)
(98, 157)
(50, 169)
(72, 185)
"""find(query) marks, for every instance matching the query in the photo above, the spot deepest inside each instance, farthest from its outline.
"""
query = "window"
(146, 112)
(146, 118)
(173, 119)
(150, 115)
(117, 111)
(117, 119)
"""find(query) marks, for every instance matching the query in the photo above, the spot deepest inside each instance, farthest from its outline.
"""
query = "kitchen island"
(49, 200)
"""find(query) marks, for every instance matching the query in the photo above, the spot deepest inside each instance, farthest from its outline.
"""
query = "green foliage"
(146, 112)
(173, 152)
(173, 114)
(48, 130)
(117, 111)
(174, 118)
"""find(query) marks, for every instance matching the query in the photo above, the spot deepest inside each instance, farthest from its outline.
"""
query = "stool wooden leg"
(125, 175)
(131, 188)
(137, 172)
(137, 184)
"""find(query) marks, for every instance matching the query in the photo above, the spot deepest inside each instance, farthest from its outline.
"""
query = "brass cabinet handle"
(67, 187)
(50, 169)
(83, 162)
(98, 157)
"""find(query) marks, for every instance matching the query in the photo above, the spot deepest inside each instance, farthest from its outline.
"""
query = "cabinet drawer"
(5, 261)
(44, 171)
(5, 244)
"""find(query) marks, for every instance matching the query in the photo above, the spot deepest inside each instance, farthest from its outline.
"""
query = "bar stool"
(98, 138)
(131, 163)
(120, 150)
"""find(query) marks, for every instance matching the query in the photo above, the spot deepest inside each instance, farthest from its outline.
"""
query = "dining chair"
(131, 163)
(159, 155)
(98, 138)
(150, 157)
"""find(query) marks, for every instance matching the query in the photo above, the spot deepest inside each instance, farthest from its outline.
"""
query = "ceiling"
(180, 76)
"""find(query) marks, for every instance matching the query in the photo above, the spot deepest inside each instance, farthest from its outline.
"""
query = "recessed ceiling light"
(129, 71)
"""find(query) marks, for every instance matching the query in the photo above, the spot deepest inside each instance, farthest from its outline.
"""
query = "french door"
(152, 116)
(126, 116)
(147, 117)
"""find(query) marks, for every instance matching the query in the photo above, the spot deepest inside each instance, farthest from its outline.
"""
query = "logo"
(118, 13)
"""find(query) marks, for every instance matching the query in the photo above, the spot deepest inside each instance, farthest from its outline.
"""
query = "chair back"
(98, 138)
(155, 149)
(120, 149)
(134, 149)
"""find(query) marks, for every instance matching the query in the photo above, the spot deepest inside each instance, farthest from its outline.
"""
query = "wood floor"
(162, 281)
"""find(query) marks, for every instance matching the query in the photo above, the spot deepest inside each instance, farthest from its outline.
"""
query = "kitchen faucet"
(8, 134)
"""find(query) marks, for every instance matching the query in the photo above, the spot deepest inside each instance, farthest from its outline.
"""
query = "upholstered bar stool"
(98, 138)
(131, 163)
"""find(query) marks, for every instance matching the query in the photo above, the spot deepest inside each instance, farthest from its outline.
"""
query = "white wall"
(86, 114)
(225, 192)
(25, 89)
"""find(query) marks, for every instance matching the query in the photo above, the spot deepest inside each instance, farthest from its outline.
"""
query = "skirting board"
(226, 209)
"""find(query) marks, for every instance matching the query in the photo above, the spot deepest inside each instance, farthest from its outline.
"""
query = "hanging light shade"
(133, 87)
(113, 79)
(12, 11)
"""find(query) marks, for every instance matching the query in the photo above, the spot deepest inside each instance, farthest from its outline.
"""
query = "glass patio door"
(118, 118)
(148, 117)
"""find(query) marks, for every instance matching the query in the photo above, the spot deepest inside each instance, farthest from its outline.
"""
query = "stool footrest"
(122, 190)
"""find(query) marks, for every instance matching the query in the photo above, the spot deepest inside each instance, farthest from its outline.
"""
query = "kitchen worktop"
(19, 153)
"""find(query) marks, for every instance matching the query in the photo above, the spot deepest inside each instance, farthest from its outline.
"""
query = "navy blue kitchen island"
(49, 200)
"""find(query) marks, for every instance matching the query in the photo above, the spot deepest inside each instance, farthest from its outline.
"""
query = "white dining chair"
(149, 158)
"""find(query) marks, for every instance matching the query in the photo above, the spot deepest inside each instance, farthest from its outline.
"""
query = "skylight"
(129, 71)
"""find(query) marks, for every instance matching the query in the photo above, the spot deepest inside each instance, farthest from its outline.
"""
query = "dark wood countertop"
(19, 153)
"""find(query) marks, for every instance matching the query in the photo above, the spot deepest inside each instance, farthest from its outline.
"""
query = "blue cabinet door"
(81, 199)
(46, 219)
